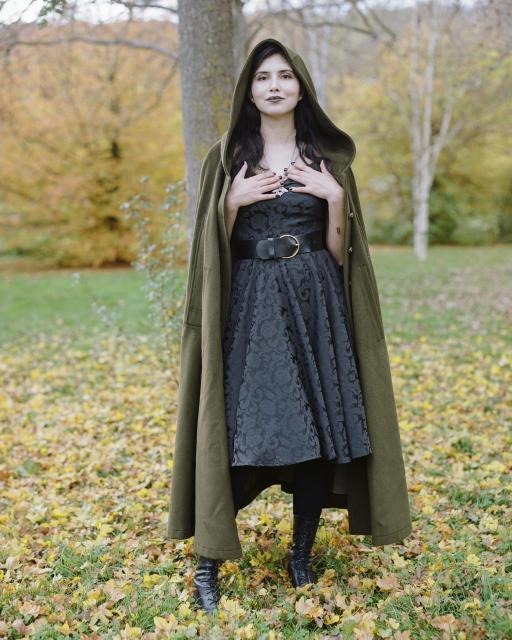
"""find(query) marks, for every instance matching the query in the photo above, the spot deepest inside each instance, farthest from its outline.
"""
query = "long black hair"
(247, 143)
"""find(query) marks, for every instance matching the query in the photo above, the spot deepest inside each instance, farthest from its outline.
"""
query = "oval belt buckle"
(285, 235)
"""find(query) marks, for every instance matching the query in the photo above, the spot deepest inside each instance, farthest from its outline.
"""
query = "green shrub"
(475, 231)
(504, 224)
(393, 231)
(444, 211)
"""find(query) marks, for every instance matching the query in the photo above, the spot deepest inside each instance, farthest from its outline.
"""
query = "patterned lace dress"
(291, 386)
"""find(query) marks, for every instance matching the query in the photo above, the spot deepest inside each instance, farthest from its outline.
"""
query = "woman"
(284, 374)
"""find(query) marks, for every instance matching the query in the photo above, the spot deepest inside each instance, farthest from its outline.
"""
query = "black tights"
(311, 481)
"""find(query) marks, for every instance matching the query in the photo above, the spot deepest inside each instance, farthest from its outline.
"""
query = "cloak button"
(350, 249)
(351, 214)
(350, 283)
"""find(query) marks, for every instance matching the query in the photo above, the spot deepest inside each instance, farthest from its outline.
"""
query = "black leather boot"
(207, 592)
(299, 559)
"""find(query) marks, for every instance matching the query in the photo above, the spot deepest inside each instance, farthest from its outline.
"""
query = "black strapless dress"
(292, 390)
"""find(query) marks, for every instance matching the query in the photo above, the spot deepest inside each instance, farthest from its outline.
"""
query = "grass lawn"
(457, 289)
(80, 303)
(87, 416)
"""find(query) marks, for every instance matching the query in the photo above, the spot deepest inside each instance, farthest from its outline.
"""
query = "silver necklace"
(282, 189)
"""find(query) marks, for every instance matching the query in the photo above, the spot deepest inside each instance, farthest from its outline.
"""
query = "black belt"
(284, 246)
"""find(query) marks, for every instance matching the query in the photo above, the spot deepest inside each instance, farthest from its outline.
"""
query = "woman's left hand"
(318, 183)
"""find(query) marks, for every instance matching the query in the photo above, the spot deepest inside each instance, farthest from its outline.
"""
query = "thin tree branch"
(146, 5)
(106, 42)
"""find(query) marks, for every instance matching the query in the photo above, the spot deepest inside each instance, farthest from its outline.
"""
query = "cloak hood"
(333, 142)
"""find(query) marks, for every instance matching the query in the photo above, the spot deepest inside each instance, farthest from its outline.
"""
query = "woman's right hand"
(244, 191)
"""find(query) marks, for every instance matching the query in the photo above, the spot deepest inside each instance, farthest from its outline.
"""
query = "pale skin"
(274, 77)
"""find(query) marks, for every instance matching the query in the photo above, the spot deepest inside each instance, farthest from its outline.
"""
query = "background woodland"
(88, 109)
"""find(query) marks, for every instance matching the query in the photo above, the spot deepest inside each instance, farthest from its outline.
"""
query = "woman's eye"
(287, 76)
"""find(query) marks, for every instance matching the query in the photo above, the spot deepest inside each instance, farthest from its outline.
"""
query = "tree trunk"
(206, 70)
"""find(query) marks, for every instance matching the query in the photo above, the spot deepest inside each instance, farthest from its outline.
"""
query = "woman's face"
(274, 78)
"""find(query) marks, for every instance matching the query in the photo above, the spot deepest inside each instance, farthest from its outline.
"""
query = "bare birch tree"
(433, 94)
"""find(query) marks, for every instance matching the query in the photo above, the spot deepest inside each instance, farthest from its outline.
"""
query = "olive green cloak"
(373, 488)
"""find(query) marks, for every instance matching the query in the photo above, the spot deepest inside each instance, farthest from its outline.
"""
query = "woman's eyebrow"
(280, 71)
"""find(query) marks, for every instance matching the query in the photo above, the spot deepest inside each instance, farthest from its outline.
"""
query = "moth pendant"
(280, 190)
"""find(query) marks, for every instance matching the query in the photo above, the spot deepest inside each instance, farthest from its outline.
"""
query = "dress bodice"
(289, 213)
